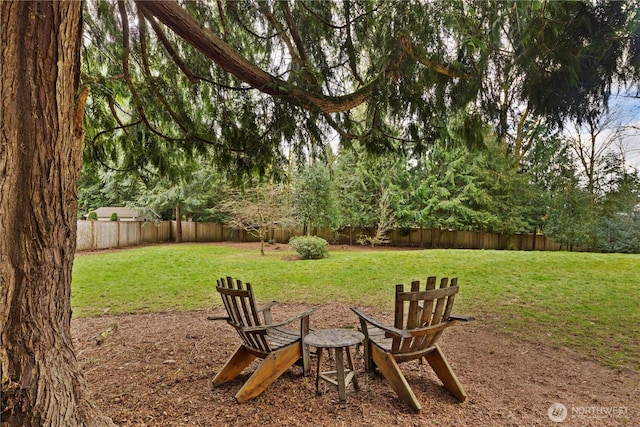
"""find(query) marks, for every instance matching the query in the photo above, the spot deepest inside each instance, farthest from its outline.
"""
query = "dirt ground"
(157, 370)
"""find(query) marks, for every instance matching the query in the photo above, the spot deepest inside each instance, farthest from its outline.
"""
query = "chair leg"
(236, 363)
(306, 357)
(368, 362)
(391, 371)
(319, 354)
(443, 370)
(269, 370)
(368, 365)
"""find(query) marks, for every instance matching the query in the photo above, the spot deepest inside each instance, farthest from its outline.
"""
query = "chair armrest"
(218, 318)
(283, 323)
(462, 318)
(266, 312)
(266, 306)
(390, 329)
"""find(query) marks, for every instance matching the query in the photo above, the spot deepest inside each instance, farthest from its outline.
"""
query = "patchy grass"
(587, 302)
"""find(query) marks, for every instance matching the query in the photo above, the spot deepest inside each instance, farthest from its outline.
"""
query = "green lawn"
(587, 302)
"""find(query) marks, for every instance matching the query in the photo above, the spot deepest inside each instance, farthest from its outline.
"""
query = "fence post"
(93, 235)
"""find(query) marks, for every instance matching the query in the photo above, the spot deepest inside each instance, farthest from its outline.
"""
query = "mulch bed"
(156, 370)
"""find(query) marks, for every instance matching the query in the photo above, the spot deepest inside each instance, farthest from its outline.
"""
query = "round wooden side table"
(340, 340)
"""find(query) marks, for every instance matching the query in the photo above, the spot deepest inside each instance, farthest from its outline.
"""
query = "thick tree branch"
(407, 46)
(223, 20)
(350, 49)
(186, 26)
(302, 53)
(127, 75)
(143, 49)
(172, 52)
(280, 31)
(125, 62)
(293, 28)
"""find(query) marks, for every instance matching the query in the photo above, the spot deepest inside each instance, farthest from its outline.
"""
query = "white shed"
(124, 214)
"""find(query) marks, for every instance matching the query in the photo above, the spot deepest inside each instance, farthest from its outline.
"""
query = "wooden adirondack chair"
(420, 319)
(278, 346)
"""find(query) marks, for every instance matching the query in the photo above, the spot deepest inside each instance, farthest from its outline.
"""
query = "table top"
(333, 338)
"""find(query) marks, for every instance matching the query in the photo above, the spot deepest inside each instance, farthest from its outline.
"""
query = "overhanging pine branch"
(186, 26)
(407, 47)
(172, 52)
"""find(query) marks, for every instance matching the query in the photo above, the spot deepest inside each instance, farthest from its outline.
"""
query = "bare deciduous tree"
(259, 210)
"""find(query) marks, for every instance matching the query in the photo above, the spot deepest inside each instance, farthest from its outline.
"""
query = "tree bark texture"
(40, 159)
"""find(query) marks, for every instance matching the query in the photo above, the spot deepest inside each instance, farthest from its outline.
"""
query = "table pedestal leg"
(343, 374)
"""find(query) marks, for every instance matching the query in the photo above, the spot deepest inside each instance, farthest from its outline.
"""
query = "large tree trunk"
(40, 159)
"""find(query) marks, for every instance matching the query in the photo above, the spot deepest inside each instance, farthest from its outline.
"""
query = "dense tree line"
(461, 130)
(446, 188)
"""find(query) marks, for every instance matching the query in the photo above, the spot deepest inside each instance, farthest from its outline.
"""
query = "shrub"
(310, 247)
(114, 217)
(93, 216)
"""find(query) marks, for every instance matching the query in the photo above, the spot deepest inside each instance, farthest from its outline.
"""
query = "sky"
(630, 117)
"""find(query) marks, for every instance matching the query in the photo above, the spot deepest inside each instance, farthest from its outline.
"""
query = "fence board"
(155, 232)
(84, 236)
(129, 233)
(209, 232)
(105, 234)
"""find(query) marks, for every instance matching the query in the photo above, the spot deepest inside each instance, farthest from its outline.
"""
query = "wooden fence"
(95, 235)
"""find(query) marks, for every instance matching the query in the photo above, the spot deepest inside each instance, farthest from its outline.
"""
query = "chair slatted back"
(423, 313)
(241, 308)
